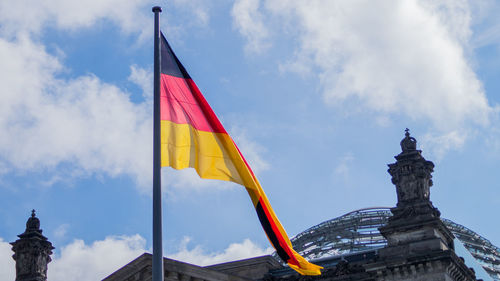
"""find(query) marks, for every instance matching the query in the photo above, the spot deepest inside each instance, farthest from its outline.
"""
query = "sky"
(317, 95)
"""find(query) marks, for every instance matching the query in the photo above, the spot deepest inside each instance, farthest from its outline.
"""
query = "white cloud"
(89, 126)
(198, 10)
(86, 123)
(251, 150)
(440, 144)
(31, 16)
(143, 78)
(343, 168)
(248, 20)
(234, 251)
(409, 57)
(61, 231)
(7, 264)
(489, 36)
(406, 58)
(485, 23)
(97, 260)
(3, 168)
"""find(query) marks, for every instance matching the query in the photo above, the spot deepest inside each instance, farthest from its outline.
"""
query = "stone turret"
(419, 246)
(32, 252)
(412, 176)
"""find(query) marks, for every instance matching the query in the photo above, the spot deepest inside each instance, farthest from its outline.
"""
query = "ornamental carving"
(411, 173)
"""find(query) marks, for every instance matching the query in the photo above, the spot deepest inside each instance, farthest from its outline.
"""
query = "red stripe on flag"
(182, 103)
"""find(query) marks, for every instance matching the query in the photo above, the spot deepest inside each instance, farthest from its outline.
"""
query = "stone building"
(407, 242)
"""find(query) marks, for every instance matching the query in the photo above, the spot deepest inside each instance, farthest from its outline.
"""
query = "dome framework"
(359, 231)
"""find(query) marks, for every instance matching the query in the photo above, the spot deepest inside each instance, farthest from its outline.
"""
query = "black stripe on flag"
(170, 65)
(264, 221)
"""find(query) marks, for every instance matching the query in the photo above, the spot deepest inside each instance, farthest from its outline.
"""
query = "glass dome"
(358, 231)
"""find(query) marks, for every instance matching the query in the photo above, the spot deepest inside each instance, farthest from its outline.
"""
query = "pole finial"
(156, 9)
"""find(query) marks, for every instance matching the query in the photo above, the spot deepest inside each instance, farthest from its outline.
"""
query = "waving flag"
(192, 136)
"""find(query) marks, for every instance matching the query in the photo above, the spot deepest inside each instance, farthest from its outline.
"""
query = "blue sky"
(316, 94)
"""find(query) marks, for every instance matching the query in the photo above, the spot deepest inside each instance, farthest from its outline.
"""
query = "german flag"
(192, 136)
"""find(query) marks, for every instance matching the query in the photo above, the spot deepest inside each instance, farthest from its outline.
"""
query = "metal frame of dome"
(358, 231)
(485, 253)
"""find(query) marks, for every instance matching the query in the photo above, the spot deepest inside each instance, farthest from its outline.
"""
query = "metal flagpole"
(157, 229)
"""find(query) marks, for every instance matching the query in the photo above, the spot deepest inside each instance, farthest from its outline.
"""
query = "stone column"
(32, 252)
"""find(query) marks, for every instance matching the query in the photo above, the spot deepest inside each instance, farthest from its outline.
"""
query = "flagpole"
(157, 228)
